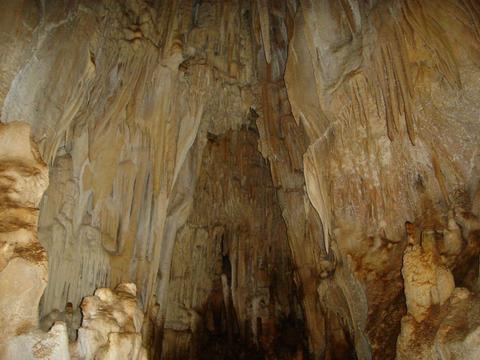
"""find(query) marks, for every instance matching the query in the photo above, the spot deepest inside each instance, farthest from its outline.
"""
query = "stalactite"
(264, 19)
(251, 166)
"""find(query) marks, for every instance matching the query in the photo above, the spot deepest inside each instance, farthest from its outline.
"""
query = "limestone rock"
(376, 89)
(111, 320)
(23, 261)
(51, 345)
(249, 166)
(443, 322)
(427, 281)
(111, 326)
(450, 331)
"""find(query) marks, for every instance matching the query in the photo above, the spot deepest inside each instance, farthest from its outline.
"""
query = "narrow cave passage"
(232, 293)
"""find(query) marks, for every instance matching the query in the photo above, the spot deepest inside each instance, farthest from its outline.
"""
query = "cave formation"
(241, 179)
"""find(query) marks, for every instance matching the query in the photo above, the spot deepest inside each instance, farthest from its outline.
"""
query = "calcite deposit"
(241, 179)
(111, 326)
(442, 322)
(23, 260)
(111, 321)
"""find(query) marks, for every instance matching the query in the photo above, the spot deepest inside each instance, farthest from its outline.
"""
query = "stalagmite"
(449, 314)
(111, 326)
(23, 273)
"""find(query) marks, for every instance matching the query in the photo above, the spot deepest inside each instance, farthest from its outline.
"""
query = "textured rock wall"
(23, 261)
(386, 91)
(231, 288)
(115, 110)
(366, 113)
(442, 320)
(111, 322)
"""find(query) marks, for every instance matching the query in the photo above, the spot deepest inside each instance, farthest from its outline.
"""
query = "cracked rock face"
(265, 179)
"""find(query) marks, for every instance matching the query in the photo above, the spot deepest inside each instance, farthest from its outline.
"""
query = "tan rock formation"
(250, 166)
(377, 88)
(111, 320)
(427, 281)
(111, 326)
(443, 322)
(23, 261)
(231, 275)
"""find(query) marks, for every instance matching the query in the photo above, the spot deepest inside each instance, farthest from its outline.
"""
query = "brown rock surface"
(442, 321)
(111, 320)
(23, 261)
(250, 166)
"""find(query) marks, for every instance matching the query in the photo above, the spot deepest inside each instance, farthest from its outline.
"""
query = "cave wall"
(231, 287)
(386, 91)
(111, 321)
(117, 122)
(367, 118)
(23, 261)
